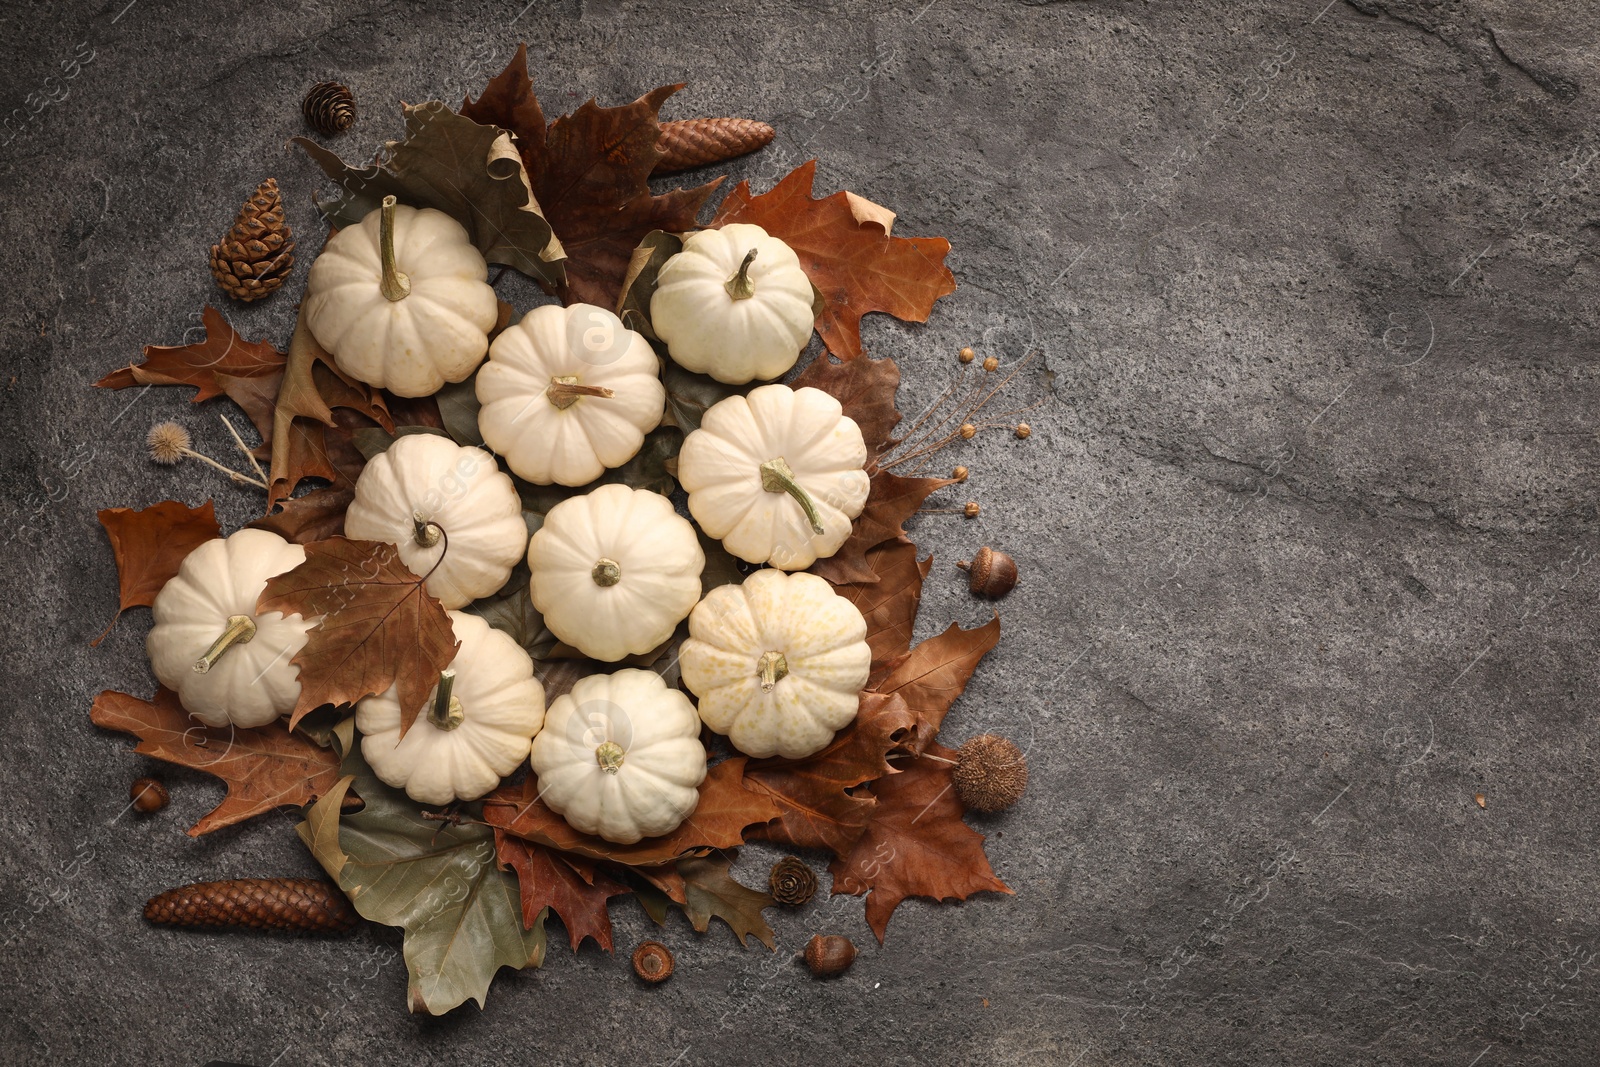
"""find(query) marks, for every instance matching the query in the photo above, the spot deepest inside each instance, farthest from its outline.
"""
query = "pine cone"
(689, 143)
(256, 255)
(791, 881)
(329, 108)
(304, 904)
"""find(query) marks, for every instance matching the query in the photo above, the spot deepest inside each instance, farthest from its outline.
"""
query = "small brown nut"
(991, 364)
(829, 955)
(967, 355)
(959, 474)
(148, 796)
(992, 574)
(652, 961)
(990, 773)
(1024, 431)
(971, 509)
(792, 881)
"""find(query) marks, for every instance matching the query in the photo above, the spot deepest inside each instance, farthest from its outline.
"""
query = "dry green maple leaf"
(547, 879)
(150, 545)
(590, 174)
(935, 673)
(915, 844)
(378, 627)
(264, 768)
(710, 890)
(856, 266)
(726, 807)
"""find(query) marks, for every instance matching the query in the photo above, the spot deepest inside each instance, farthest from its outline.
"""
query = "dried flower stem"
(249, 455)
(929, 437)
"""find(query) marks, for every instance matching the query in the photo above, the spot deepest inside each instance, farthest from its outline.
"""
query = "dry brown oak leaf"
(726, 807)
(934, 673)
(915, 845)
(379, 626)
(549, 880)
(814, 794)
(264, 768)
(149, 546)
(889, 603)
(855, 264)
(590, 174)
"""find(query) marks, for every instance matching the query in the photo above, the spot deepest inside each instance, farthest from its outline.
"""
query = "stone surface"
(1306, 531)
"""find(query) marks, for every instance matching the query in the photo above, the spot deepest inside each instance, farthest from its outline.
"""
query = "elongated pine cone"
(255, 256)
(303, 904)
(792, 882)
(689, 143)
(329, 108)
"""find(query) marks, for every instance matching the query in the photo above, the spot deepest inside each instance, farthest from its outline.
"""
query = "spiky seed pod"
(689, 143)
(990, 773)
(829, 955)
(148, 796)
(329, 108)
(309, 905)
(168, 442)
(792, 881)
(257, 253)
(992, 574)
(652, 961)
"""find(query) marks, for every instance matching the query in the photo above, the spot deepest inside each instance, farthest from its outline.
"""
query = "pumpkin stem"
(774, 668)
(239, 631)
(395, 285)
(565, 390)
(606, 573)
(739, 286)
(427, 531)
(447, 712)
(778, 477)
(609, 755)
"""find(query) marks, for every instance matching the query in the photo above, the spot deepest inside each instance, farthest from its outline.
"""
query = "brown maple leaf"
(854, 263)
(709, 889)
(726, 807)
(866, 389)
(935, 672)
(891, 500)
(150, 545)
(915, 844)
(549, 880)
(590, 175)
(265, 768)
(379, 626)
(209, 365)
(889, 603)
(818, 809)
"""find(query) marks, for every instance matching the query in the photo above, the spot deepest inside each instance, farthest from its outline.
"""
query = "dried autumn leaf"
(818, 809)
(456, 165)
(726, 807)
(711, 890)
(379, 626)
(934, 674)
(590, 174)
(856, 266)
(866, 389)
(890, 602)
(149, 546)
(208, 365)
(915, 844)
(891, 500)
(547, 881)
(264, 768)
(639, 281)
(440, 883)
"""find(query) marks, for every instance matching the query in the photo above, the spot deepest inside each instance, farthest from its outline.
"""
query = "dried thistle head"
(168, 442)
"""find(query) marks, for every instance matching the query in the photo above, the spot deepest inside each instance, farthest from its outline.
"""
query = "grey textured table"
(1305, 535)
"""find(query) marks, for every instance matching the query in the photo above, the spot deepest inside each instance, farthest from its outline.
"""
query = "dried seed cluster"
(990, 773)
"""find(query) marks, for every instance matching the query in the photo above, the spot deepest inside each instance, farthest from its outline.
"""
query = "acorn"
(792, 882)
(990, 773)
(992, 574)
(652, 961)
(148, 796)
(329, 108)
(830, 955)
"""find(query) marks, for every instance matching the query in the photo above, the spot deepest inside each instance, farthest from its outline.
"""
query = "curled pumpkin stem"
(778, 477)
(565, 390)
(740, 287)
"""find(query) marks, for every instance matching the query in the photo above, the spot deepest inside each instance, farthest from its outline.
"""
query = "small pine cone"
(255, 256)
(302, 904)
(689, 143)
(792, 882)
(329, 108)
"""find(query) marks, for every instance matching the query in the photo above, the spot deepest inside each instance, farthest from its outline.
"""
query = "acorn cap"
(990, 773)
(652, 961)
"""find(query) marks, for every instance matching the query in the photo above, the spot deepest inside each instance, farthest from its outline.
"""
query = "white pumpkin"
(568, 392)
(226, 661)
(778, 663)
(734, 304)
(614, 571)
(777, 475)
(400, 300)
(462, 745)
(620, 756)
(430, 497)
